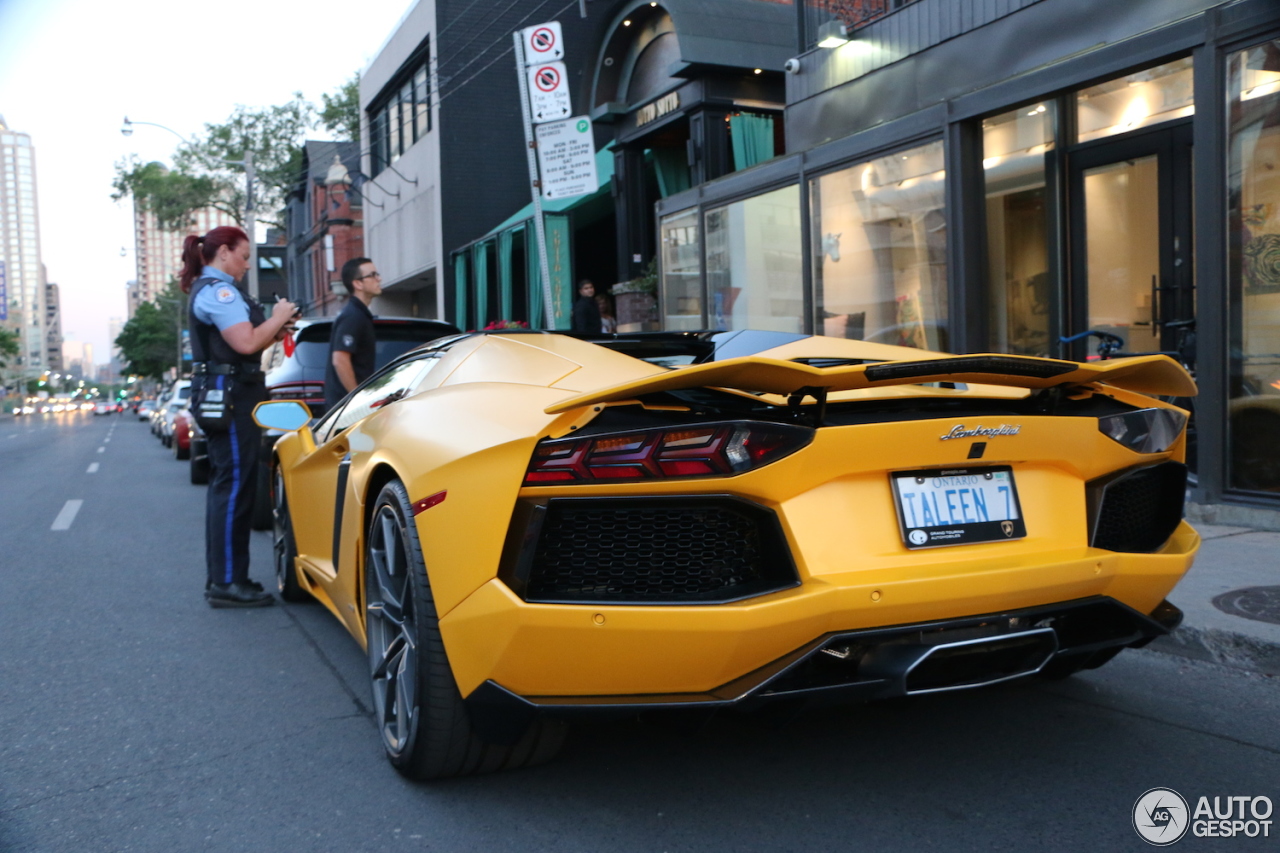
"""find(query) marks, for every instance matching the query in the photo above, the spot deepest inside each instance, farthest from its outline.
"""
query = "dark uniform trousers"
(233, 472)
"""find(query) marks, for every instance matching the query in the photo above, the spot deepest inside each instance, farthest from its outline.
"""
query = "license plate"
(957, 506)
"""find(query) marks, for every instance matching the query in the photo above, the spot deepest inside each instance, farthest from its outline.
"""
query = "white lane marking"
(102, 450)
(68, 515)
(93, 468)
(108, 438)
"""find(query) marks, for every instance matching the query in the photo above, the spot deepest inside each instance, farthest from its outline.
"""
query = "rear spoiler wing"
(1146, 374)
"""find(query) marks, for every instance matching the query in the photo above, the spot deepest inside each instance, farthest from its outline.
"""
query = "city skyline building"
(53, 327)
(23, 302)
(78, 358)
(158, 251)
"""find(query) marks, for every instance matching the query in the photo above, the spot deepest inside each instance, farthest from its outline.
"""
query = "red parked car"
(182, 434)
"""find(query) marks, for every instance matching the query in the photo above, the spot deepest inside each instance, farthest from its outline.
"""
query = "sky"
(71, 70)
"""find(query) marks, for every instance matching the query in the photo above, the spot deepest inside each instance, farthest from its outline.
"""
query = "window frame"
(396, 125)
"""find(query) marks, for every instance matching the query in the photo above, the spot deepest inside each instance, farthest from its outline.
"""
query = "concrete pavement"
(1230, 559)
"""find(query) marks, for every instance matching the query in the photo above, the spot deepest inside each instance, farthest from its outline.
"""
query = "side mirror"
(286, 415)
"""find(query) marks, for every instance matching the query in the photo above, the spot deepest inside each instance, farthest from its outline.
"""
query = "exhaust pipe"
(915, 669)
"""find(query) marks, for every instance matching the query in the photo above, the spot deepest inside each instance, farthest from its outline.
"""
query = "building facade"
(325, 226)
(22, 304)
(1005, 176)
(53, 328)
(965, 175)
(158, 251)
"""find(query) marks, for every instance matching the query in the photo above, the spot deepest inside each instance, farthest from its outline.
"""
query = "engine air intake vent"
(1139, 511)
(653, 550)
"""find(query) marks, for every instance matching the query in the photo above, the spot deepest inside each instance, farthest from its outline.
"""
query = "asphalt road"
(134, 718)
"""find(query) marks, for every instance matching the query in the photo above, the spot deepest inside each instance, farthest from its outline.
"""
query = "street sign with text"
(567, 158)
(549, 92)
(542, 43)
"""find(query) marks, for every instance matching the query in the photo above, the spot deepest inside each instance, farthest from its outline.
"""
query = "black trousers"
(233, 473)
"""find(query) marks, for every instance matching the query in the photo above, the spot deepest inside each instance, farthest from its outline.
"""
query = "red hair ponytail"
(199, 251)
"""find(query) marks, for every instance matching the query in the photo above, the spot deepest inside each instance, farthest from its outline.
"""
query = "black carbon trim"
(1037, 368)
(1084, 627)
(339, 502)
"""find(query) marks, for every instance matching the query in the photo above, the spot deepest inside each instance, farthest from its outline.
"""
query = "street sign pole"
(539, 226)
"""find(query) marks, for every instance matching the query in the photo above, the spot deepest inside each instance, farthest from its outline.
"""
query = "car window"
(384, 388)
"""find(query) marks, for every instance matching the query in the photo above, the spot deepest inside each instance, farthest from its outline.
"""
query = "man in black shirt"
(352, 343)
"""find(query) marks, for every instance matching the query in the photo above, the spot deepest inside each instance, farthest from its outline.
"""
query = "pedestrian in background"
(353, 346)
(586, 313)
(228, 332)
(608, 314)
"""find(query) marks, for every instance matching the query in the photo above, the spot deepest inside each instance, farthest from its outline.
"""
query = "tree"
(149, 341)
(341, 113)
(202, 177)
(172, 196)
(9, 346)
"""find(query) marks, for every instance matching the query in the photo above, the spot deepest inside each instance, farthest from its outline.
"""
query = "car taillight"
(1145, 430)
(708, 450)
(297, 391)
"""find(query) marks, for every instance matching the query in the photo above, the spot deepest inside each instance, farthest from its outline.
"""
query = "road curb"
(1224, 647)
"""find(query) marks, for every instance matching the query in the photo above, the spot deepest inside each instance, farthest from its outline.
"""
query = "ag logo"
(224, 294)
(1160, 816)
(348, 340)
(918, 537)
(1007, 528)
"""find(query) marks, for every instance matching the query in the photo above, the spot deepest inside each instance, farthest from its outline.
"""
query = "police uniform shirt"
(221, 304)
(352, 333)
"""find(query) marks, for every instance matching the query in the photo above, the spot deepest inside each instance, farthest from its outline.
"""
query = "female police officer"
(228, 331)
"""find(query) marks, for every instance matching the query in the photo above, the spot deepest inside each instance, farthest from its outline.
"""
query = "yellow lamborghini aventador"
(522, 527)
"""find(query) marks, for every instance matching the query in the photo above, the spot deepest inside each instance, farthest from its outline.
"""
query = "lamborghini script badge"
(960, 431)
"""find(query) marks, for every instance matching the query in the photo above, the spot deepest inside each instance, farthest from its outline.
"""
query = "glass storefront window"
(1013, 154)
(1253, 186)
(754, 274)
(681, 299)
(1145, 97)
(879, 250)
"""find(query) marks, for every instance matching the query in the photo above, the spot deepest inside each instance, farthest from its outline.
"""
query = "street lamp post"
(250, 177)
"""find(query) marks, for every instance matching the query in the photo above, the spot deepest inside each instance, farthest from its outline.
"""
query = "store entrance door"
(1130, 235)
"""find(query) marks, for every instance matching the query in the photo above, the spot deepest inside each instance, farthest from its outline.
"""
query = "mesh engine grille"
(657, 551)
(1141, 510)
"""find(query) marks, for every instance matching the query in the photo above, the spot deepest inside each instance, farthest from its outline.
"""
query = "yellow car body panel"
(470, 427)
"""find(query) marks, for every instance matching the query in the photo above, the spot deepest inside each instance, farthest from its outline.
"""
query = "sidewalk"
(1230, 559)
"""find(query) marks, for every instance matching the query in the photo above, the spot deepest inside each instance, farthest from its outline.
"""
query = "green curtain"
(752, 139)
(533, 276)
(504, 276)
(560, 262)
(460, 289)
(672, 167)
(479, 261)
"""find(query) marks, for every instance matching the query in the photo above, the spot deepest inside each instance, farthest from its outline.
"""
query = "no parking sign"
(542, 43)
(548, 92)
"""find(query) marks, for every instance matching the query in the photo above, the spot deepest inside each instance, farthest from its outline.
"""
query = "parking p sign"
(542, 43)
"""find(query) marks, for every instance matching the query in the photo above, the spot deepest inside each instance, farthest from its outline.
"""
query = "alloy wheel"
(393, 654)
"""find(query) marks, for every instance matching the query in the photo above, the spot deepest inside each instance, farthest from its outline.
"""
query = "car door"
(318, 484)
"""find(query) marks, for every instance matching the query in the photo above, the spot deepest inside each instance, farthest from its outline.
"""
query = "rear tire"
(420, 715)
(284, 548)
(199, 470)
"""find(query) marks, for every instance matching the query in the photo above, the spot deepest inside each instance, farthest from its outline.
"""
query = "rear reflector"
(708, 450)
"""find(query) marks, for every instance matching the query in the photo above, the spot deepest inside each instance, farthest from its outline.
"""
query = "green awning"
(604, 174)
